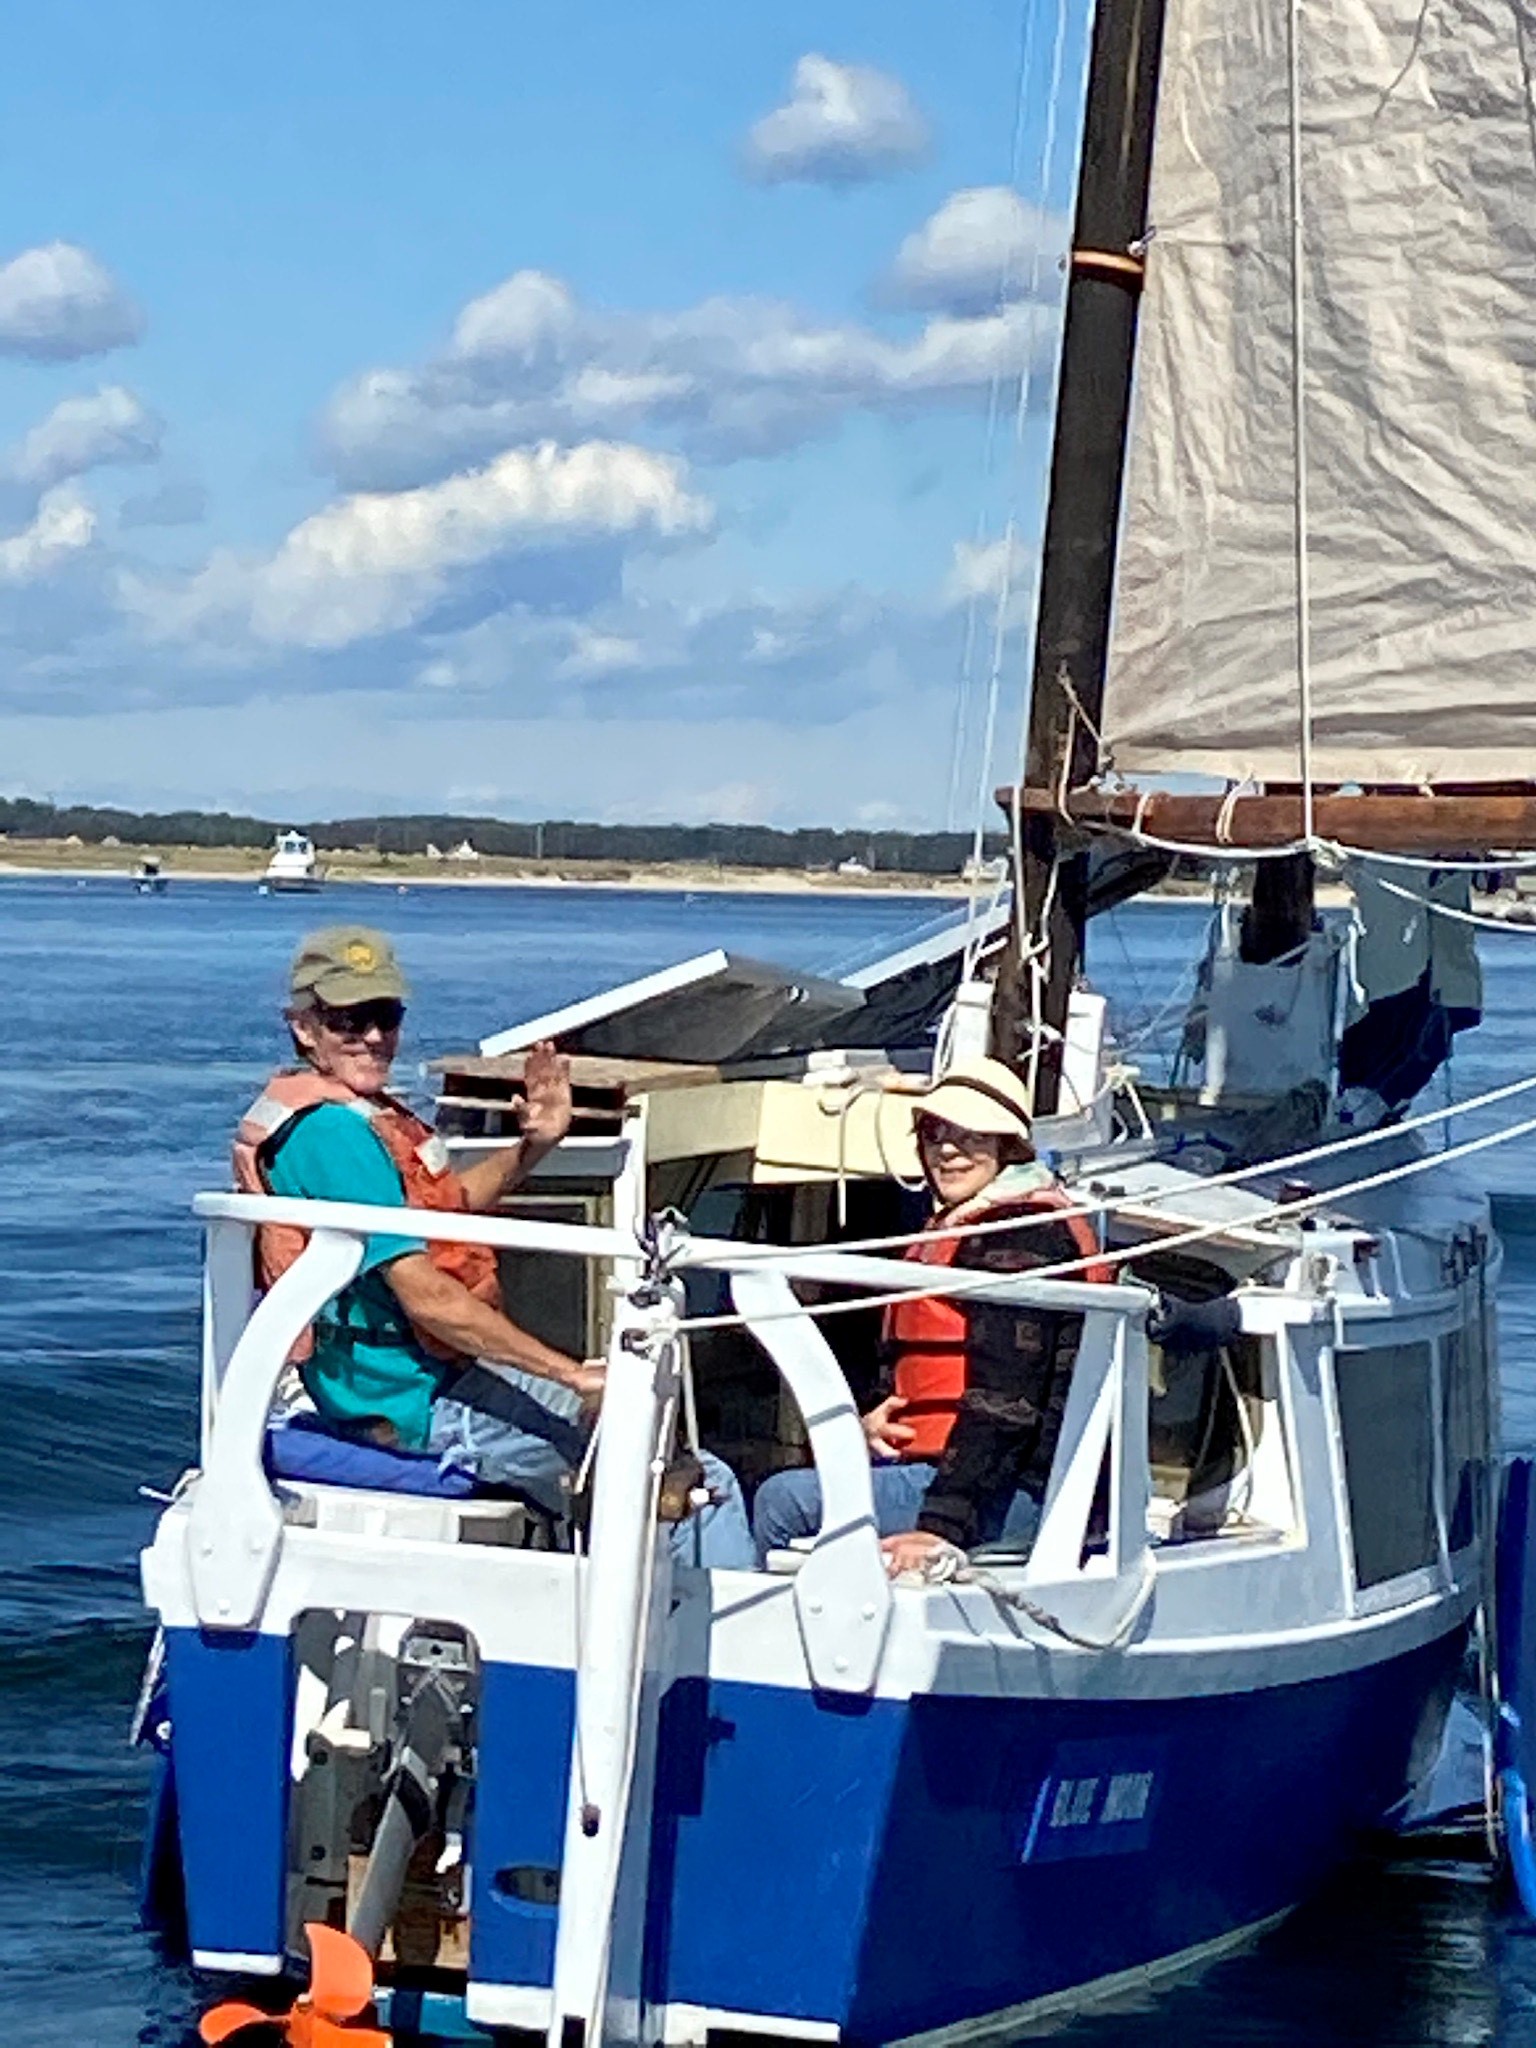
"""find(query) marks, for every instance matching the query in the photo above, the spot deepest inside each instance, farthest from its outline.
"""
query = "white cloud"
(375, 564)
(842, 124)
(990, 572)
(527, 316)
(596, 654)
(981, 568)
(725, 379)
(58, 303)
(111, 425)
(64, 525)
(981, 248)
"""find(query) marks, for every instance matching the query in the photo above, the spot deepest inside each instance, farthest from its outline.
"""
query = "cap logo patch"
(360, 956)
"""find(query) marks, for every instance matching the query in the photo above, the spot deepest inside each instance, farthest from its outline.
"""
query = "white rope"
(1302, 1205)
(1226, 853)
(1472, 917)
(1223, 853)
(1233, 1177)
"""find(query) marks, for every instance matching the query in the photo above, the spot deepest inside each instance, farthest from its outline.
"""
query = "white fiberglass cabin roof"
(721, 1006)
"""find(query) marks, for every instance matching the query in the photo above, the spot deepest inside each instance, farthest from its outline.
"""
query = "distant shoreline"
(44, 859)
(57, 861)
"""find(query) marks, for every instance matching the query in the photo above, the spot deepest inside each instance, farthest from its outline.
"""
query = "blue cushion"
(303, 1448)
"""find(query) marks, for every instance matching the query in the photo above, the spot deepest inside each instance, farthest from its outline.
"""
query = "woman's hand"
(887, 1438)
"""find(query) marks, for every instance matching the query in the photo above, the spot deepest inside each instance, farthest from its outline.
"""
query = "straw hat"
(978, 1095)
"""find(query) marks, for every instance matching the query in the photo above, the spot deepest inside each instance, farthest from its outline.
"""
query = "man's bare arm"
(446, 1310)
(546, 1119)
(490, 1178)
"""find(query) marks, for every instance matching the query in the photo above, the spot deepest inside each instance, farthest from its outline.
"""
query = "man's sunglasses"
(355, 1020)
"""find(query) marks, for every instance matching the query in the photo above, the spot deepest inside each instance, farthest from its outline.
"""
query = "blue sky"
(573, 410)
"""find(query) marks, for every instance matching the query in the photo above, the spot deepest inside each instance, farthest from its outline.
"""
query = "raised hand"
(547, 1094)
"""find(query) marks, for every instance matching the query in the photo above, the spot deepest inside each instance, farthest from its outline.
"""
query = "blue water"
(134, 1031)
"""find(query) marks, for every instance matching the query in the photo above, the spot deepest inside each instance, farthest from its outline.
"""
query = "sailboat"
(591, 1795)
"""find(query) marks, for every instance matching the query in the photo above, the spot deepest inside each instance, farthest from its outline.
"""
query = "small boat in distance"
(149, 879)
(293, 868)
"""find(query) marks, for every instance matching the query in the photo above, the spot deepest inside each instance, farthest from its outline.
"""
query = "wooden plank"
(589, 1073)
(1471, 825)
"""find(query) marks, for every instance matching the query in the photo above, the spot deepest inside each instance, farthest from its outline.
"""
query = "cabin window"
(551, 1298)
(1386, 1420)
(1205, 1416)
(1207, 1408)
(1465, 1429)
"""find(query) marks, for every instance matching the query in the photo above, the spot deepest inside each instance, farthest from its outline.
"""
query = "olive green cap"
(345, 963)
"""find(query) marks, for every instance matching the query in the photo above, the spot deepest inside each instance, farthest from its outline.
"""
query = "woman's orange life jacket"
(420, 1158)
(928, 1335)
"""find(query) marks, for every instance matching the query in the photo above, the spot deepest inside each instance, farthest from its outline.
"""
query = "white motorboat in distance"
(294, 868)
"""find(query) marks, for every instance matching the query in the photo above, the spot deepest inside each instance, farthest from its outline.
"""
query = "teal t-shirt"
(367, 1364)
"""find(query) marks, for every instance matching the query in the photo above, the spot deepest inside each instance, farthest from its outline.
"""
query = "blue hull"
(895, 1868)
(883, 1866)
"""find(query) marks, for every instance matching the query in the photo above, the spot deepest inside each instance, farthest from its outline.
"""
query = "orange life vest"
(420, 1158)
(928, 1336)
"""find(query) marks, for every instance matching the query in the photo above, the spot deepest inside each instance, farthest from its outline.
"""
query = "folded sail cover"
(1419, 354)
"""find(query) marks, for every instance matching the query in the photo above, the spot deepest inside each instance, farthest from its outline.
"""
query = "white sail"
(1418, 164)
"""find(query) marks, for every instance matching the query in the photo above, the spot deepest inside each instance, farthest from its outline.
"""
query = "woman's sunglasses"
(937, 1130)
(356, 1020)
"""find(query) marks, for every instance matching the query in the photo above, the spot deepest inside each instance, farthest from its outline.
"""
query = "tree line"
(551, 839)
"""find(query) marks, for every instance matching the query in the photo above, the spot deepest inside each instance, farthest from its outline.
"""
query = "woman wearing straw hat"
(965, 1422)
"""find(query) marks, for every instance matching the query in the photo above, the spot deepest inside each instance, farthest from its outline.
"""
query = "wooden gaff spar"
(1474, 823)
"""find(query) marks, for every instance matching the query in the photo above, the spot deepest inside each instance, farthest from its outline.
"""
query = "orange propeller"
(335, 2012)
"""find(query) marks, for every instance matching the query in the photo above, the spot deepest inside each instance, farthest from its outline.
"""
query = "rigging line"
(1021, 751)
(1472, 917)
(1234, 1177)
(1178, 1241)
(1237, 854)
(1183, 991)
(1024, 66)
(1299, 422)
(1029, 379)
(1451, 864)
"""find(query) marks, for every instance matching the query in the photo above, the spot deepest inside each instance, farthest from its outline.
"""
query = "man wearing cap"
(964, 1425)
(393, 1359)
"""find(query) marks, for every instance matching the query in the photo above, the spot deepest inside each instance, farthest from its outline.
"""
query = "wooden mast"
(1087, 468)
